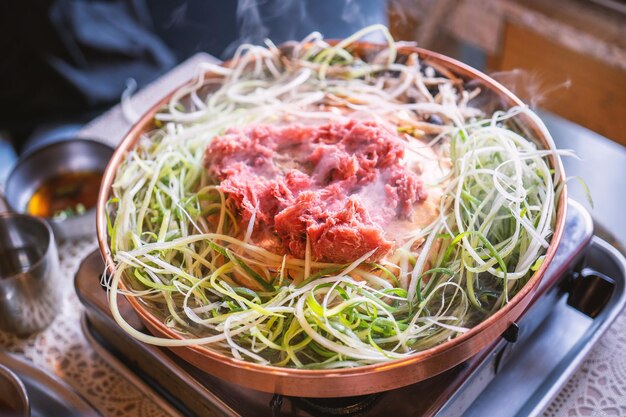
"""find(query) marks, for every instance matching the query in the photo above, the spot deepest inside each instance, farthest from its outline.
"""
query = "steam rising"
(531, 87)
(293, 19)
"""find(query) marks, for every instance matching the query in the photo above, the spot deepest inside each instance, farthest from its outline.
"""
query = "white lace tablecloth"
(598, 388)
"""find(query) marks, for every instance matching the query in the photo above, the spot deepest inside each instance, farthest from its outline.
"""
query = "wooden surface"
(596, 96)
(581, 25)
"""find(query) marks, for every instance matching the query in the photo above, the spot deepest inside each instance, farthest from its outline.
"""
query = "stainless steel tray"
(534, 372)
(474, 388)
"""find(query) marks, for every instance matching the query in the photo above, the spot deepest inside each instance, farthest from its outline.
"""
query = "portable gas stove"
(581, 294)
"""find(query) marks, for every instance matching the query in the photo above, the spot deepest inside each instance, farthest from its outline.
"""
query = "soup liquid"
(7, 411)
(65, 192)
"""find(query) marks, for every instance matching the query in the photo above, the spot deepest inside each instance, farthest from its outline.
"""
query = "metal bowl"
(365, 379)
(31, 171)
(13, 396)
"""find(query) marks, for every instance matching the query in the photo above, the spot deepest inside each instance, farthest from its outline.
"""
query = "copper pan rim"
(349, 381)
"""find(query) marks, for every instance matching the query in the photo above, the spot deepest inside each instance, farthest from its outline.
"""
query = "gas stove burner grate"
(347, 406)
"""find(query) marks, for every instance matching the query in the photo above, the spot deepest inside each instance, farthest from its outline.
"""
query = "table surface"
(602, 166)
(597, 389)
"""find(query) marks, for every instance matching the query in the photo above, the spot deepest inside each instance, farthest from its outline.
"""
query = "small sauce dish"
(59, 182)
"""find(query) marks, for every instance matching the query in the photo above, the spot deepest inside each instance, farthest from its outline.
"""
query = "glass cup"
(29, 274)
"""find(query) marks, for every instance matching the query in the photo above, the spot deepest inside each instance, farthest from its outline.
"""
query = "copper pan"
(366, 379)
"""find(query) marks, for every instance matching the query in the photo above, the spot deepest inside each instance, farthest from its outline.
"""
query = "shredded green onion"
(179, 246)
